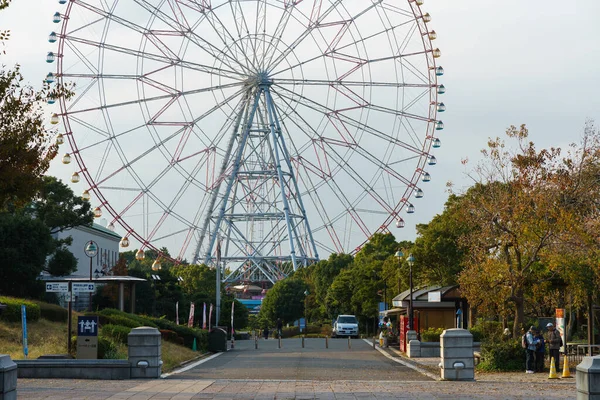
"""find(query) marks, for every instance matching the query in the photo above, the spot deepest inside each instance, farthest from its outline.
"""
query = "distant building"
(102, 263)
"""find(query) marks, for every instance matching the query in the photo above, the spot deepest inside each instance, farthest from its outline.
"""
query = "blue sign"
(87, 326)
(24, 324)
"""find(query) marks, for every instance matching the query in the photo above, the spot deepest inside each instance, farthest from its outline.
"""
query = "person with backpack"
(528, 341)
(540, 351)
(554, 343)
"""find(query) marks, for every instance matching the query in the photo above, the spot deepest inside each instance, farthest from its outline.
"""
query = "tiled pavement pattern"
(188, 389)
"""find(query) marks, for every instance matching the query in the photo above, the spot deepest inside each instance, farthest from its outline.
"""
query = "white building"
(100, 265)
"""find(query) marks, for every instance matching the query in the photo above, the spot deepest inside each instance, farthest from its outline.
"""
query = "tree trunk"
(590, 327)
(519, 313)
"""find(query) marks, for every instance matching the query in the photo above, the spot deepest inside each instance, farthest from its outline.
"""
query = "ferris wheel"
(262, 133)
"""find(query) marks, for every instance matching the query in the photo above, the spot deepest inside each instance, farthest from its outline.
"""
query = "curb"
(400, 360)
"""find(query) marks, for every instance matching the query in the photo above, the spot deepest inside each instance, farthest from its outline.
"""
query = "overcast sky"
(506, 62)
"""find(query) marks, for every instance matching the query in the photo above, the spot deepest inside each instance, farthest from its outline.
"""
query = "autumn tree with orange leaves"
(527, 213)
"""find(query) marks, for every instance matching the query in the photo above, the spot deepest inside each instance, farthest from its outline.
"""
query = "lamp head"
(399, 254)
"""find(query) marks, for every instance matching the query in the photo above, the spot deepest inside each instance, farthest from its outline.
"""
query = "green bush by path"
(53, 312)
(431, 334)
(116, 317)
(117, 333)
(12, 312)
(188, 334)
(505, 355)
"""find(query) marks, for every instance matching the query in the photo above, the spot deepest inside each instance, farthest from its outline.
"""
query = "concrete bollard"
(588, 379)
(144, 350)
(8, 378)
(279, 343)
(326, 341)
(349, 343)
(302, 341)
(256, 342)
(456, 350)
(414, 349)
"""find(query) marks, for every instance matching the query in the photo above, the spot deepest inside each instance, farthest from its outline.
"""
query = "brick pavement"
(222, 389)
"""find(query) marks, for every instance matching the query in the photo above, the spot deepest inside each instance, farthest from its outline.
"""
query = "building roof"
(102, 279)
(100, 228)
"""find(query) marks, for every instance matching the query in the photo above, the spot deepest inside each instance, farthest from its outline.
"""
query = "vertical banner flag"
(24, 325)
(204, 317)
(232, 330)
(177, 313)
(191, 318)
(209, 316)
(560, 326)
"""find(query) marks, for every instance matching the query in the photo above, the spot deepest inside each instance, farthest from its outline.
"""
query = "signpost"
(57, 287)
(85, 287)
(90, 249)
(87, 337)
(560, 326)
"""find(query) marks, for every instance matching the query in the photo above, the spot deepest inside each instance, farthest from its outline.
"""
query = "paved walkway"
(487, 386)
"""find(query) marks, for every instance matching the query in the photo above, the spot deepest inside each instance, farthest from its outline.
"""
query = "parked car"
(345, 325)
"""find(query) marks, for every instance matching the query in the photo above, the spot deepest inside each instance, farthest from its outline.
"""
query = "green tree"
(57, 206)
(24, 245)
(62, 262)
(438, 254)
(285, 300)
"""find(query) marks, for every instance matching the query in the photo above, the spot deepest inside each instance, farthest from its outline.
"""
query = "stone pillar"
(414, 349)
(456, 350)
(145, 352)
(588, 379)
(411, 335)
(8, 378)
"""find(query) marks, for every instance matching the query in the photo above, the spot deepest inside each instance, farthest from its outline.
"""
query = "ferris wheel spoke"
(315, 19)
(270, 48)
(336, 52)
(331, 113)
(155, 98)
(184, 30)
(227, 38)
(324, 82)
(242, 29)
(156, 57)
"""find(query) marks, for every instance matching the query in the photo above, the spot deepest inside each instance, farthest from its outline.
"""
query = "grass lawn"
(45, 337)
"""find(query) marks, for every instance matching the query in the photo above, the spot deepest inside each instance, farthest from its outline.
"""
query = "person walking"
(554, 343)
(530, 347)
(266, 332)
(540, 351)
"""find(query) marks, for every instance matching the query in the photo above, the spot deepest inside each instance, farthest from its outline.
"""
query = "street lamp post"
(91, 249)
(411, 260)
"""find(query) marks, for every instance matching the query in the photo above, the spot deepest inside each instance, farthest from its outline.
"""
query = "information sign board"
(84, 286)
(57, 287)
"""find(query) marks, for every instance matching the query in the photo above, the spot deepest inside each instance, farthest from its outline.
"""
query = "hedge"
(171, 336)
(431, 334)
(188, 334)
(502, 356)
(53, 312)
(116, 317)
(12, 312)
(118, 333)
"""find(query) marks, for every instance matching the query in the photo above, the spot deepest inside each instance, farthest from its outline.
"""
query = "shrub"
(116, 317)
(487, 331)
(53, 312)
(106, 349)
(118, 333)
(171, 336)
(431, 334)
(502, 356)
(12, 312)
(188, 334)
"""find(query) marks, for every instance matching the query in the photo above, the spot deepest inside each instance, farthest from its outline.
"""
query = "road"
(313, 362)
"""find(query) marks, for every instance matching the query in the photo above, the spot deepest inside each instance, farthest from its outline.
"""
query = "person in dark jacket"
(279, 328)
(554, 342)
(540, 352)
(266, 332)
